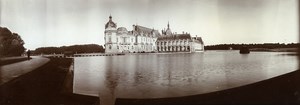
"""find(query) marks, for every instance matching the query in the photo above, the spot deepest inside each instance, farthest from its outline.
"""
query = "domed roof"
(168, 31)
(122, 29)
(110, 23)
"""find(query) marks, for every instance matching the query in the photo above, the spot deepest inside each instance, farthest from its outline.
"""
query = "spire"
(168, 25)
(136, 21)
(168, 31)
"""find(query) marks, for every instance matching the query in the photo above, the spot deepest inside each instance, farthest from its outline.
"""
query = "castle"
(142, 39)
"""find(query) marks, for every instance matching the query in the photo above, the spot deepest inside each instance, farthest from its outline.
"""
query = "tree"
(88, 48)
(11, 44)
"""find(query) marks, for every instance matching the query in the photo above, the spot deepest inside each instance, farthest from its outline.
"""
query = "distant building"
(143, 39)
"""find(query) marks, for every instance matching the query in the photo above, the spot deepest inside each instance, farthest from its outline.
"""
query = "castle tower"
(110, 36)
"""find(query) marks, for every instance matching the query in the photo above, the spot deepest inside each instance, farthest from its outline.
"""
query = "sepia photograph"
(149, 52)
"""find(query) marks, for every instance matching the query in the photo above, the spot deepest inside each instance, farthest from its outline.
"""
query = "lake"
(159, 75)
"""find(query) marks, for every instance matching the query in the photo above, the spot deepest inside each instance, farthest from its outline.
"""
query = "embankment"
(46, 85)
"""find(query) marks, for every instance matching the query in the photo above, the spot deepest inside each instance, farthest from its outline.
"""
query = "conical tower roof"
(110, 23)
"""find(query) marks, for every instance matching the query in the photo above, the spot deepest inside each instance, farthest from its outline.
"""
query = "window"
(117, 47)
(109, 47)
(109, 38)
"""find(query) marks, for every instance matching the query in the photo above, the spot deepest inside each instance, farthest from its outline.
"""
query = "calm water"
(172, 75)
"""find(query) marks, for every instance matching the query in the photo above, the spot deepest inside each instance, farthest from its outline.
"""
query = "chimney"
(133, 26)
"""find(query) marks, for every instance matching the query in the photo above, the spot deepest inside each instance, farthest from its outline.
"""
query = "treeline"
(238, 46)
(11, 44)
(89, 48)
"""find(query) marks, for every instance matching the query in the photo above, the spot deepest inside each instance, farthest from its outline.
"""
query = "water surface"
(172, 75)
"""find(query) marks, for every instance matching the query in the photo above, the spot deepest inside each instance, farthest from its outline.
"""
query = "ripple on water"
(171, 75)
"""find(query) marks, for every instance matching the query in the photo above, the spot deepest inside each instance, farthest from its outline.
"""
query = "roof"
(121, 29)
(175, 36)
(168, 31)
(198, 40)
(110, 23)
(146, 31)
(157, 33)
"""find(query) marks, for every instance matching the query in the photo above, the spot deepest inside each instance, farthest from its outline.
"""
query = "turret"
(111, 36)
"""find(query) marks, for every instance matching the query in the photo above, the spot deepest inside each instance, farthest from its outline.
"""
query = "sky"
(44, 23)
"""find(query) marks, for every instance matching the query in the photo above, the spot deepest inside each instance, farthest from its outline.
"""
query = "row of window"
(174, 42)
(132, 39)
(127, 47)
(159, 48)
(173, 48)
(124, 39)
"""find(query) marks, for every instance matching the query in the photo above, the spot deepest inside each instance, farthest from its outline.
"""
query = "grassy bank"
(47, 85)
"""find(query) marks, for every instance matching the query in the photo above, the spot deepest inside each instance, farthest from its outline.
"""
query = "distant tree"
(89, 48)
(47, 50)
(265, 45)
(11, 44)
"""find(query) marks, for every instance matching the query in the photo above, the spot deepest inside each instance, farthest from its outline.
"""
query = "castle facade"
(142, 39)
(173, 42)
